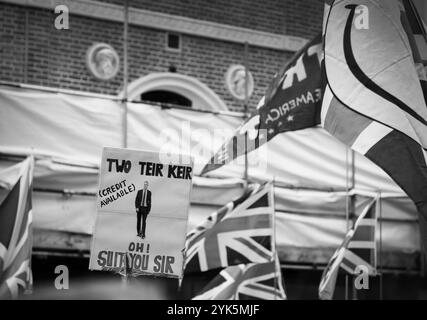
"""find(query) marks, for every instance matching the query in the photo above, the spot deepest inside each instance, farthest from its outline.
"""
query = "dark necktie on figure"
(144, 192)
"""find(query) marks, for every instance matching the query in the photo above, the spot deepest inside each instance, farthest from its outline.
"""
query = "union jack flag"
(240, 232)
(358, 249)
(252, 281)
(16, 229)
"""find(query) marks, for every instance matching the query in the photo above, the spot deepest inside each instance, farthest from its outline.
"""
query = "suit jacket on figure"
(138, 199)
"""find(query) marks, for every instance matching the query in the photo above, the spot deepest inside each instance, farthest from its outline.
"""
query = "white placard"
(142, 209)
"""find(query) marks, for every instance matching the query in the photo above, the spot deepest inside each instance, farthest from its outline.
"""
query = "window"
(173, 42)
(164, 96)
(171, 86)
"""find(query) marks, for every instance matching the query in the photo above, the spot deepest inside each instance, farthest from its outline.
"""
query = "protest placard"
(142, 209)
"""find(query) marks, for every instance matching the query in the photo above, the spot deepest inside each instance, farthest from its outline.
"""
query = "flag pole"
(26, 36)
(276, 255)
(347, 205)
(125, 273)
(381, 245)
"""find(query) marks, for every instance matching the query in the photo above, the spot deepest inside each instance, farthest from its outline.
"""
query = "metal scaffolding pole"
(124, 275)
(125, 74)
(246, 62)
(350, 209)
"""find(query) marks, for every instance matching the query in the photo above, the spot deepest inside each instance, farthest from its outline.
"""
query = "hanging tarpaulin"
(308, 166)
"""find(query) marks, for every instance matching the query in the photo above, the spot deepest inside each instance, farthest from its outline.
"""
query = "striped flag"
(16, 229)
(359, 248)
(398, 155)
(376, 75)
(240, 232)
(254, 281)
(374, 87)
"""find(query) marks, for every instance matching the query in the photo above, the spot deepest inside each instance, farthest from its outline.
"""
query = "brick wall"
(56, 58)
(12, 33)
(253, 14)
(303, 18)
(204, 59)
(293, 17)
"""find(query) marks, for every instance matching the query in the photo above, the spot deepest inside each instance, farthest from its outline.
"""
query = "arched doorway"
(175, 88)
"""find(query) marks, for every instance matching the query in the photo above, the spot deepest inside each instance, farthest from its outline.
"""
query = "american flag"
(246, 282)
(240, 232)
(358, 249)
(16, 229)
(288, 105)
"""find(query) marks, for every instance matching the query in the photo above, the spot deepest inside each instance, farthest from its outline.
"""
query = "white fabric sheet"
(64, 129)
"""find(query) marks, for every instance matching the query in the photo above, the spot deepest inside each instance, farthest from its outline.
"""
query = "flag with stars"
(292, 102)
(240, 232)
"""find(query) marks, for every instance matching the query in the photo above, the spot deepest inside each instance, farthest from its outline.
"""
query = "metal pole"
(125, 273)
(276, 255)
(26, 47)
(125, 74)
(347, 206)
(125, 278)
(381, 247)
(350, 207)
(246, 62)
(422, 247)
(346, 287)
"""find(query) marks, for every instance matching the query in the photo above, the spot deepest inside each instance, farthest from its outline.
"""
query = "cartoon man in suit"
(143, 207)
